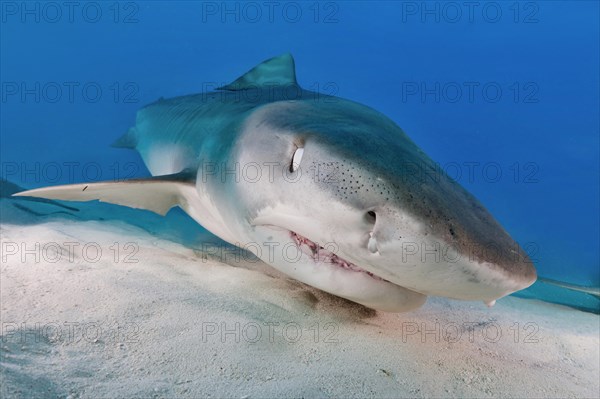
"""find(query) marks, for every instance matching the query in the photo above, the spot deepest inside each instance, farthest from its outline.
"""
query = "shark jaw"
(335, 257)
(318, 266)
(322, 255)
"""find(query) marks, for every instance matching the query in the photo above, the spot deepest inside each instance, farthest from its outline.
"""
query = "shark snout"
(473, 260)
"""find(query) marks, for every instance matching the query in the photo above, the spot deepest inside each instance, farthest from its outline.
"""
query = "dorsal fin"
(279, 71)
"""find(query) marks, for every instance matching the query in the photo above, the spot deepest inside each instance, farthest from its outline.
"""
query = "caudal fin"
(128, 140)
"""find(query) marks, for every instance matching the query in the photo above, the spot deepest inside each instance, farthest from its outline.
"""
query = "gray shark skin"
(326, 190)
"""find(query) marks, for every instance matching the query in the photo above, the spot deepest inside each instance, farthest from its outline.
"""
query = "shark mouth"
(322, 255)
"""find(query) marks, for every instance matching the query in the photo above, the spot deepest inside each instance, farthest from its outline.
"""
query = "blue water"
(505, 96)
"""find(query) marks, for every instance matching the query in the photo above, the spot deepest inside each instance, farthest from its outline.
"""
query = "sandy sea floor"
(109, 310)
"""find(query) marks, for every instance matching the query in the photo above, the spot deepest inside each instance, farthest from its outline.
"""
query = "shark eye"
(296, 159)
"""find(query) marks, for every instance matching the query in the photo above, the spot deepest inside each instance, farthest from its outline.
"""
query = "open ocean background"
(503, 95)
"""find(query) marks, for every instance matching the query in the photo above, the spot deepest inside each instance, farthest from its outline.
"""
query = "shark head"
(326, 190)
(340, 198)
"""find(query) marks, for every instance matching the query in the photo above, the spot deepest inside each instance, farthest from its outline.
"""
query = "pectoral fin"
(157, 194)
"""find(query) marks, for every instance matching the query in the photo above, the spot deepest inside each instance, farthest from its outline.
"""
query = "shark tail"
(128, 140)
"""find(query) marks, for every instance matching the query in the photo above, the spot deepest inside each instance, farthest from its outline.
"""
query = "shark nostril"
(372, 246)
(371, 217)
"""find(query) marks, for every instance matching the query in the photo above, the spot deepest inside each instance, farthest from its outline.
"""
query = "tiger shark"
(326, 190)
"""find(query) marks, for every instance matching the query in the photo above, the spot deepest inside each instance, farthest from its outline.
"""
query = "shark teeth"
(320, 254)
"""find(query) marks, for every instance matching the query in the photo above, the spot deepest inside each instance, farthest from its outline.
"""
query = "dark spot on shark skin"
(471, 276)
(468, 273)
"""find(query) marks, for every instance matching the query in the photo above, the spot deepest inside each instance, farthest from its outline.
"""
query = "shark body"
(326, 190)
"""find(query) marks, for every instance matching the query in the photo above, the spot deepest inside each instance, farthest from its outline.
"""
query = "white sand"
(157, 328)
